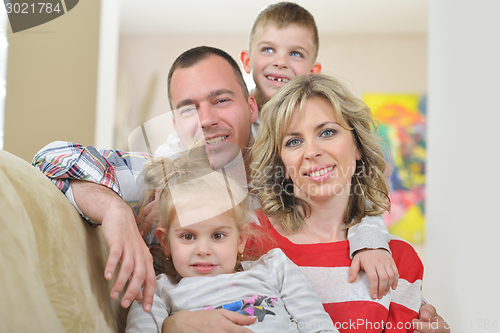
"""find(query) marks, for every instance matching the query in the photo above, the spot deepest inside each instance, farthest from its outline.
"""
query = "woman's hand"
(380, 269)
(429, 321)
(208, 321)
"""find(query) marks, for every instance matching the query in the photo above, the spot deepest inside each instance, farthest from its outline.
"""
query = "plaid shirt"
(117, 170)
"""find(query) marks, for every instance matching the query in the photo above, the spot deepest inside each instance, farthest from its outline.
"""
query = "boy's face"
(279, 55)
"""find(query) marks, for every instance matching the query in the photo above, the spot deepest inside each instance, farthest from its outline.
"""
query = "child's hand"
(380, 269)
(149, 214)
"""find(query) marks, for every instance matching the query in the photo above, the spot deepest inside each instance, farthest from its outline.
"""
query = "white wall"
(109, 32)
(52, 82)
(3, 69)
(463, 185)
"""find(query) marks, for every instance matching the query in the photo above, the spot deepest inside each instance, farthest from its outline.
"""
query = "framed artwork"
(401, 122)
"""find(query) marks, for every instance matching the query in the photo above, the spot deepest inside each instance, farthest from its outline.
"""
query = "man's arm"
(61, 161)
(93, 180)
(103, 206)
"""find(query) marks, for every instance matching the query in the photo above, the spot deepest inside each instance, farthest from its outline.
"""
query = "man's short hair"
(284, 14)
(197, 54)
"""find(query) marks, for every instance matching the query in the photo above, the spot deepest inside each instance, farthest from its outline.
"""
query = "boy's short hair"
(284, 14)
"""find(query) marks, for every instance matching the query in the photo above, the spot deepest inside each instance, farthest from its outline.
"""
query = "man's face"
(208, 99)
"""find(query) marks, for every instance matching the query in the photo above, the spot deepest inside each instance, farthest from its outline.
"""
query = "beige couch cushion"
(52, 262)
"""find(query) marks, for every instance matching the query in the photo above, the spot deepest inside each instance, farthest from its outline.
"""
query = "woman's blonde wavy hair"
(368, 193)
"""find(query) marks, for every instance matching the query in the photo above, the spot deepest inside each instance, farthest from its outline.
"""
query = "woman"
(318, 169)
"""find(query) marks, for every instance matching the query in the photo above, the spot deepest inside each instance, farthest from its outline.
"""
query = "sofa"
(52, 262)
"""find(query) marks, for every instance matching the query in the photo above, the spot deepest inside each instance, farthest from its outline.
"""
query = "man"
(218, 104)
(205, 78)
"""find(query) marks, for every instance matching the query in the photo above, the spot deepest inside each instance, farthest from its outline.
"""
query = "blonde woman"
(318, 169)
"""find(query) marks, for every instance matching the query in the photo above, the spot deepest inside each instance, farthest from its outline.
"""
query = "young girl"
(204, 234)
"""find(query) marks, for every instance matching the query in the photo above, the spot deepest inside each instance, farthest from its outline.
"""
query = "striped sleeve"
(140, 321)
(370, 233)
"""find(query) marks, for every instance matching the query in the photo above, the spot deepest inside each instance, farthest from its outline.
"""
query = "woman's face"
(319, 155)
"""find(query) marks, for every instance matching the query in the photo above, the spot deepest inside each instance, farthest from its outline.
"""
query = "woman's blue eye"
(328, 133)
(293, 142)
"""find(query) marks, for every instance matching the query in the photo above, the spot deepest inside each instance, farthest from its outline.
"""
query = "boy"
(283, 44)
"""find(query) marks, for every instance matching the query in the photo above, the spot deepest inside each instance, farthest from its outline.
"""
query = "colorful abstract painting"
(402, 122)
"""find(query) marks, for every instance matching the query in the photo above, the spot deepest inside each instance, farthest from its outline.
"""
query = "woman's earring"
(361, 187)
(360, 173)
(361, 169)
(283, 190)
(284, 186)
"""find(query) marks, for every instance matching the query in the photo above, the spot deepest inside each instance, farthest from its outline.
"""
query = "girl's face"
(319, 155)
(206, 248)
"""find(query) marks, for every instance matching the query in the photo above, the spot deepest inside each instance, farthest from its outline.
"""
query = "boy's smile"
(278, 55)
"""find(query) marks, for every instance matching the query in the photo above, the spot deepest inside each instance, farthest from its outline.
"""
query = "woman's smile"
(319, 154)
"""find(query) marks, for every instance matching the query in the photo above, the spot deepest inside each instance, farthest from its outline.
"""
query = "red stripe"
(357, 316)
(402, 252)
(311, 255)
(400, 317)
(364, 316)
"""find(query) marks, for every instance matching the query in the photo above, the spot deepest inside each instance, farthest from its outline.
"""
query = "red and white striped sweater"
(326, 267)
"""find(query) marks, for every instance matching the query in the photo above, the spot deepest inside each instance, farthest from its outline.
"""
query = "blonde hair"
(191, 177)
(368, 193)
(284, 14)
